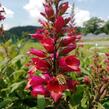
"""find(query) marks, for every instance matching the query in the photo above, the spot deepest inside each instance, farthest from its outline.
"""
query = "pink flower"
(69, 64)
(105, 79)
(49, 10)
(48, 44)
(86, 80)
(59, 23)
(41, 64)
(38, 53)
(68, 49)
(63, 7)
(107, 54)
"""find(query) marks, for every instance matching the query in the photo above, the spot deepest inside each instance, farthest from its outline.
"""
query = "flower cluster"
(2, 17)
(50, 68)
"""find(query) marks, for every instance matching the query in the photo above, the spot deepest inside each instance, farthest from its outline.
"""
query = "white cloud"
(34, 8)
(9, 13)
(84, 0)
(7, 26)
(81, 16)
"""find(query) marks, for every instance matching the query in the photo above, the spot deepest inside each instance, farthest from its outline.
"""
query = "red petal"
(36, 80)
(56, 96)
(71, 84)
(48, 44)
(59, 23)
(36, 52)
(54, 86)
(38, 90)
(42, 65)
(63, 7)
(67, 40)
(68, 49)
(69, 63)
(38, 36)
(49, 10)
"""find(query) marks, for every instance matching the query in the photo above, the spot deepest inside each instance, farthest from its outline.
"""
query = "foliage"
(93, 25)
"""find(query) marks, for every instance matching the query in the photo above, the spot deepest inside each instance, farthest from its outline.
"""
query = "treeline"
(95, 25)
(20, 31)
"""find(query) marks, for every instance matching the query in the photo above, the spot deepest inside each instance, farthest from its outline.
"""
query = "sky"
(27, 12)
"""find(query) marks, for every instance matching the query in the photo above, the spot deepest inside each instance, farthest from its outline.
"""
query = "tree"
(93, 25)
(106, 27)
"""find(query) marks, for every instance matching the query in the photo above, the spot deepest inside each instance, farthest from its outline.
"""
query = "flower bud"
(86, 80)
(49, 11)
(38, 53)
(68, 49)
(59, 23)
(63, 7)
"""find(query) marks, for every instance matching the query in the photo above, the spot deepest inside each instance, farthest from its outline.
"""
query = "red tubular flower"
(63, 7)
(2, 17)
(44, 23)
(69, 64)
(48, 44)
(105, 79)
(78, 37)
(59, 23)
(67, 20)
(39, 89)
(56, 96)
(49, 10)
(68, 49)
(55, 89)
(39, 35)
(38, 53)
(71, 84)
(67, 40)
(34, 81)
(35, 84)
(42, 65)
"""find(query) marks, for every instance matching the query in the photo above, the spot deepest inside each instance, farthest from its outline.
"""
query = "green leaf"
(106, 105)
(75, 98)
(5, 103)
(15, 86)
(41, 102)
(85, 101)
(100, 106)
